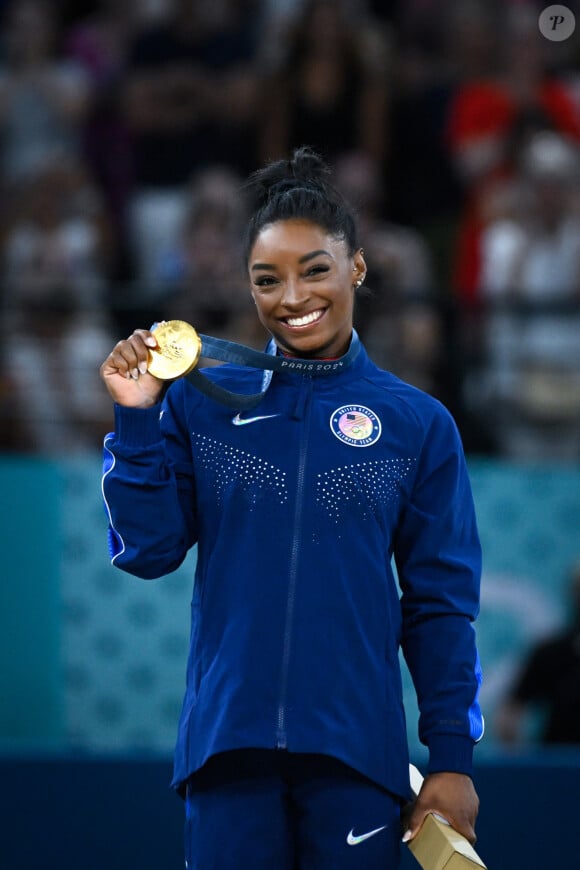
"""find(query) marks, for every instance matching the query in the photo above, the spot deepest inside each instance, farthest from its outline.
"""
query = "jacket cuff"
(137, 427)
(451, 753)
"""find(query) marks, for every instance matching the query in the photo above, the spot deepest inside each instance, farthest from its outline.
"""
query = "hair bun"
(301, 189)
(305, 168)
(306, 165)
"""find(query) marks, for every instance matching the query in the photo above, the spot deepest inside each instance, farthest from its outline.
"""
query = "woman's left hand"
(450, 795)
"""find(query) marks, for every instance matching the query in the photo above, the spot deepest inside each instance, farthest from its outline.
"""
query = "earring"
(359, 283)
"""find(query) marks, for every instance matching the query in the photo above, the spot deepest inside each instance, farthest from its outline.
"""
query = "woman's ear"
(359, 268)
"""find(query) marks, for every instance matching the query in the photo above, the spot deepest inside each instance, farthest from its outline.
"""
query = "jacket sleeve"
(438, 558)
(148, 490)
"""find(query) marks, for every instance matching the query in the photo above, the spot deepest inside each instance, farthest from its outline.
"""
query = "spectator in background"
(549, 682)
(399, 319)
(531, 277)
(327, 83)
(190, 100)
(423, 188)
(491, 118)
(203, 276)
(57, 237)
(43, 98)
(55, 248)
(99, 45)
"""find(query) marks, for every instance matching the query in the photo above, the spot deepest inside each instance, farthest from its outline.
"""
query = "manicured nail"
(135, 374)
(143, 367)
(150, 341)
(407, 836)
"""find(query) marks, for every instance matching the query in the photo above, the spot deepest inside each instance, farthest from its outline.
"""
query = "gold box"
(438, 846)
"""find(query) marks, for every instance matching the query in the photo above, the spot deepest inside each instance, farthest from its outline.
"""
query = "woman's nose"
(295, 293)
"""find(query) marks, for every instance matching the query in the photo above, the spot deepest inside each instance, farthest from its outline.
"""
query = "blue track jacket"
(297, 508)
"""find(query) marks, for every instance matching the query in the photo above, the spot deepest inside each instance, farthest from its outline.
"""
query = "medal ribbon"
(180, 347)
(232, 352)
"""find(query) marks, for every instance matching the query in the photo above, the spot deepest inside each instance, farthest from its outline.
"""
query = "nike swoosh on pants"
(353, 840)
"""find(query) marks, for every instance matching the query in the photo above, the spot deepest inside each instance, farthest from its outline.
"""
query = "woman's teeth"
(305, 320)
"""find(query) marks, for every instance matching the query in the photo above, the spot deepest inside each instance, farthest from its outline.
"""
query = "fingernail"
(150, 341)
(143, 367)
(407, 836)
(135, 374)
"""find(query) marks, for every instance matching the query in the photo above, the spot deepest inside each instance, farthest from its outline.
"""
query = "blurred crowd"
(127, 129)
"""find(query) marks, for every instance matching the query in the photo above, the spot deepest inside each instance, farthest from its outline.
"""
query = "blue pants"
(275, 810)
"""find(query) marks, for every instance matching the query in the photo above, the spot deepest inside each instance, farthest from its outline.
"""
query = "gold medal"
(177, 352)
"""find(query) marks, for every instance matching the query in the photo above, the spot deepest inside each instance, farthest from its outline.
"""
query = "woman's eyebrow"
(313, 254)
(257, 266)
(268, 266)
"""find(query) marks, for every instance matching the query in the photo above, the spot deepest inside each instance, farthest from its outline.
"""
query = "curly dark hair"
(299, 189)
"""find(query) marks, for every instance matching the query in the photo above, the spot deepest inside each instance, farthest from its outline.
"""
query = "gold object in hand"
(178, 350)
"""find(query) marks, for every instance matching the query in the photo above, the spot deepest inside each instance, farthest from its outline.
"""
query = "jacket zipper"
(281, 736)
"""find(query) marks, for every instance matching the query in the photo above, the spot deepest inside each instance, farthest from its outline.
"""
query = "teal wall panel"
(31, 692)
(96, 658)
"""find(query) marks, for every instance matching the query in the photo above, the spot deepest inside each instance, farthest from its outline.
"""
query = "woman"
(292, 744)
(328, 82)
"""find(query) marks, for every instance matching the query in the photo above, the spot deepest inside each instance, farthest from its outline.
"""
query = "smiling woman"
(292, 735)
(305, 300)
(304, 258)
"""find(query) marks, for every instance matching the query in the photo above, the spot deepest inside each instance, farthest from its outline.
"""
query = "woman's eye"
(266, 281)
(317, 270)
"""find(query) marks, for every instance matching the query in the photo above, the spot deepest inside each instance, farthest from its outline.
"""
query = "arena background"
(92, 661)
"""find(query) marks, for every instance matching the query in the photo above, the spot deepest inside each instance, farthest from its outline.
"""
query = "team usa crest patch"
(356, 425)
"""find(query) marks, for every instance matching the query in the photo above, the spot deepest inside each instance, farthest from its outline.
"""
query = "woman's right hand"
(125, 371)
